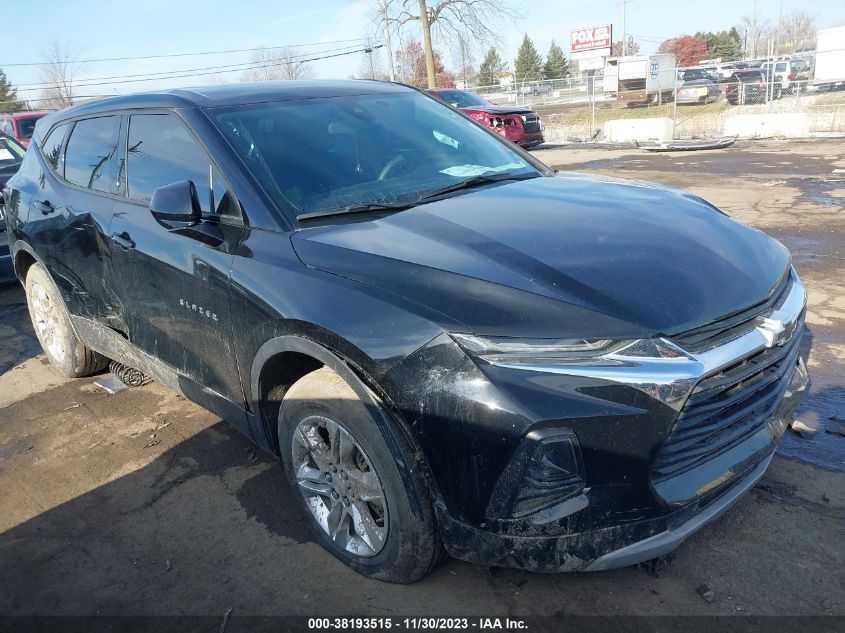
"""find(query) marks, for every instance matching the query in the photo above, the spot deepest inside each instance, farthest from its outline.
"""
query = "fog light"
(545, 470)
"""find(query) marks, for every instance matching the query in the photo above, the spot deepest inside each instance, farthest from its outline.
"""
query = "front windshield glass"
(10, 152)
(462, 98)
(330, 153)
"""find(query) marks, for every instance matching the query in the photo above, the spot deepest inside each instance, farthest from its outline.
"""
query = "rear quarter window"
(91, 153)
(51, 149)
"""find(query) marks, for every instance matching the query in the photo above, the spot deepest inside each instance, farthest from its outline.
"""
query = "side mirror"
(176, 206)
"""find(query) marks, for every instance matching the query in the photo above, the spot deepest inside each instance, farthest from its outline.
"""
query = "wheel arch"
(283, 360)
(23, 257)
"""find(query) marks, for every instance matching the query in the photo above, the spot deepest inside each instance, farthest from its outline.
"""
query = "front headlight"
(549, 351)
(497, 349)
(655, 366)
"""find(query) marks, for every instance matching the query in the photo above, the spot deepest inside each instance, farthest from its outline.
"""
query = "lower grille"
(726, 407)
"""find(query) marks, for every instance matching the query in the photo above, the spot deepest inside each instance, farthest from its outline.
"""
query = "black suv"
(447, 344)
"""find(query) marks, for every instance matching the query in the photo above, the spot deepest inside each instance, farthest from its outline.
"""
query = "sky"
(321, 27)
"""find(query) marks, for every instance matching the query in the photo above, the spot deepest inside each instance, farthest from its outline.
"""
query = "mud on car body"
(447, 344)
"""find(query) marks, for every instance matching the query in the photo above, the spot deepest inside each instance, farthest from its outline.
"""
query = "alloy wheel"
(46, 318)
(341, 489)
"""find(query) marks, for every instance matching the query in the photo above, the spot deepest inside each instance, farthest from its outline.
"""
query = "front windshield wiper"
(356, 208)
(475, 181)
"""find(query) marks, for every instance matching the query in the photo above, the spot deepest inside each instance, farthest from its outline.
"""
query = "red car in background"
(516, 123)
(20, 125)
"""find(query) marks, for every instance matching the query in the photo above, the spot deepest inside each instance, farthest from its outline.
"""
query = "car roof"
(227, 95)
(24, 115)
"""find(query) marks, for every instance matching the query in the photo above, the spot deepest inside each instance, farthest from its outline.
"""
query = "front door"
(174, 284)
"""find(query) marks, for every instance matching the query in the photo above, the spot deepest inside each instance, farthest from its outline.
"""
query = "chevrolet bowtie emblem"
(772, 330)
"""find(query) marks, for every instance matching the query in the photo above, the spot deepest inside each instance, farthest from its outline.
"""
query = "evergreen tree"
(726, 45)
(556, 65)
(490, 67)
(529, 64)
(8, 95)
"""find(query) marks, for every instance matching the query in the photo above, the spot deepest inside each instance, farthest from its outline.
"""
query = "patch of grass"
(610, 111)
(832, 99)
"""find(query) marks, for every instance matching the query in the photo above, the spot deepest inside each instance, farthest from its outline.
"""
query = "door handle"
(45, 206)
(123, 240)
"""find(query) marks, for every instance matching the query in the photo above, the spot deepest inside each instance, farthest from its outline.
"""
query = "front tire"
(51, 323)
(367, 501)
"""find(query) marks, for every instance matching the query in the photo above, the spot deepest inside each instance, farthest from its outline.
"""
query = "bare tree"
(797, 31)
(371, 63)
(463, 58)
(473, 20)
(279, 63)
(756, 32)
(60, 73)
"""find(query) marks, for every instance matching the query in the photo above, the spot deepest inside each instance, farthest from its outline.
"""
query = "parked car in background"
(535, 88)
(11, 156)
(752, 86)
(700, 90)
(20, 125)
(446, 342)
(792, 75)
(694, 74)
(516, 123)
(725, 71)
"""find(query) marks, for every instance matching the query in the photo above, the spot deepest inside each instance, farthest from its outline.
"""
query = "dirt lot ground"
(142, 503)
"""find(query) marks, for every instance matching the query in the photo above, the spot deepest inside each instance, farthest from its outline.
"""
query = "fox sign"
(591, 38)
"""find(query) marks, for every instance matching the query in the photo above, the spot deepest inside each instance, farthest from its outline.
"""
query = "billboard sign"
(591, 39)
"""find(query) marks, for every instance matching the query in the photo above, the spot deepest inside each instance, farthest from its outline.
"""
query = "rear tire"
(51, 323)
(367, 502)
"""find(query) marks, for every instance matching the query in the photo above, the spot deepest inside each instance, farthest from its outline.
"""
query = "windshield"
(338, 152)
(462, 98)
(26, 126)
(10, 152)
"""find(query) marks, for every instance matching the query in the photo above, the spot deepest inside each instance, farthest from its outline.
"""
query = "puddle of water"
(824, 409)
(816, 190)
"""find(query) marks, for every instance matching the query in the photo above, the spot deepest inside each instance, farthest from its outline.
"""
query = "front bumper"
(651, 470)
(634, 541)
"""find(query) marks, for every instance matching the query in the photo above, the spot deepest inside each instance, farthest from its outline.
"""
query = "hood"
(498, 109)
(565, 256)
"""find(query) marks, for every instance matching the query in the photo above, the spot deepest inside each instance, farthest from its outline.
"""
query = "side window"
(90, 154)
(51, 148)
(161, 150)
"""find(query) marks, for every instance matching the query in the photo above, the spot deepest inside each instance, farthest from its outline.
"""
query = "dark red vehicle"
(516, 123)
(20, 125)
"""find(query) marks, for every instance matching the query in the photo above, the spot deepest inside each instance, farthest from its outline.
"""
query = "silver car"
(697, 91)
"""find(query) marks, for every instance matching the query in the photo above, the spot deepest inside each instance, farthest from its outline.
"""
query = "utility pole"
(624, 27)
(391, 72)
(754, 32)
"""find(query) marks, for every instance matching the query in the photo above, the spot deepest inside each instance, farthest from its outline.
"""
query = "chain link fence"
(577, 109)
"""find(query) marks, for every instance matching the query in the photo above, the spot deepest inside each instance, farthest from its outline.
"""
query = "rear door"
(174, 284)
(69, 214)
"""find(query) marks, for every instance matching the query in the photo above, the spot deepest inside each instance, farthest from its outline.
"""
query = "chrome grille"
(727, 406)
